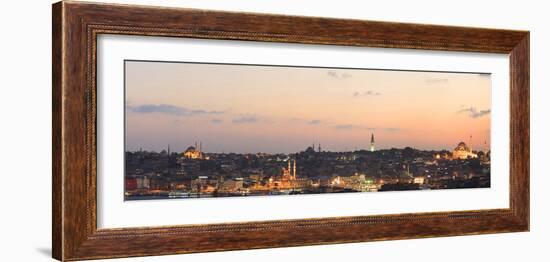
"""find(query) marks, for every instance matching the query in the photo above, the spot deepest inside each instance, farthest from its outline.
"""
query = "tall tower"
(168, 149)
(319, 148)
(372, 142)
(289, 167)
(470, 143)
(294, 170)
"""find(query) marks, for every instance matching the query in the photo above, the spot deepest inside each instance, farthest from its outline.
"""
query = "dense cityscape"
(196, 174)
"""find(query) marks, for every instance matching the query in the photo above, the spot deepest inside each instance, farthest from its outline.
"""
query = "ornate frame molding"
(76, 26)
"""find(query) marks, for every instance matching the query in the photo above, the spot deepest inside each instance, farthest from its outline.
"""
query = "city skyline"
(318, 147)
(273, 109)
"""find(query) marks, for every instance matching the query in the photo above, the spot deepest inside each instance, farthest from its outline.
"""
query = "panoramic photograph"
(198, 130)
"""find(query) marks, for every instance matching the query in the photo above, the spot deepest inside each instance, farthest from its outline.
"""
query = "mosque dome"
(462, 151)
(194, 152)
(461, 147)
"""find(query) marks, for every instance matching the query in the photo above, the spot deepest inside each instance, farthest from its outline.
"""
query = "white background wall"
(25, 147)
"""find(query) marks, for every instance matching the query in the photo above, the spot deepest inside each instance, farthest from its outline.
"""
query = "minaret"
(288, 167)
(372, 142)
(168, 149)
(470, 143)
(294, 170)
(319, 148)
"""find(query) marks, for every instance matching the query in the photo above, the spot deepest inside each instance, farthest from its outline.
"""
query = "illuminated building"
(290, 172)
(288, 179)
(194, 152)
(337, 181)
(462, 151)
(372, 143)
(232, 185)
(419, 180)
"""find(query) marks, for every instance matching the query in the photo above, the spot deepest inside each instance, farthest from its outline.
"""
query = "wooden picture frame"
(76, 26)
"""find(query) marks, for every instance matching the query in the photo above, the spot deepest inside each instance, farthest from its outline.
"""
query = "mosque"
(462, 151)
(194, 152)
(288, 179)
(289, 173)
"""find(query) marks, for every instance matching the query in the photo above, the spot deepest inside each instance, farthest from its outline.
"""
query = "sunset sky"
(272, 109)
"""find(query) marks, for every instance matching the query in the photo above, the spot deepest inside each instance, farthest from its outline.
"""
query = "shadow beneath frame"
(46, 251)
